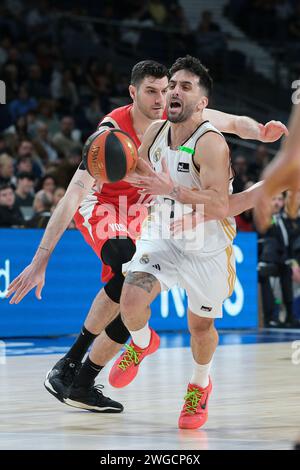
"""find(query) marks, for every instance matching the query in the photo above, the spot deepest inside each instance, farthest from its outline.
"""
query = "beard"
(184, 115)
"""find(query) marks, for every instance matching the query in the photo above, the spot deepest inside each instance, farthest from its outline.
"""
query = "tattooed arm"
(34, 274)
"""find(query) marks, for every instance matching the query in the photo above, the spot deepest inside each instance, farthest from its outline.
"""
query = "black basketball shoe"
(60, 378)
(92, 399)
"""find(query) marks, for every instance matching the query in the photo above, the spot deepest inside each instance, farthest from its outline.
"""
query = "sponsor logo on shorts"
(183, 167)
(206, 309)
(144, 259)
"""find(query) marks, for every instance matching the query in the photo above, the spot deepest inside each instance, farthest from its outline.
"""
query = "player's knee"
(116, 252)
(131, 303)
(128, 307)
(114, 286)
(117, 331)
(202, 327)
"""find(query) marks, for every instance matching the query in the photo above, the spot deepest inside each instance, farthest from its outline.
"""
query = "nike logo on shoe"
(203, 406)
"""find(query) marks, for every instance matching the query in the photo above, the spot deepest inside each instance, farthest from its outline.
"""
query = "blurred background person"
(47, 183)
(43, 144)
(42, 210)
(10, 214)
(67, 138)
(6, 169)
(25, 194)
(240, 167)
(57, 196)
(275, 265)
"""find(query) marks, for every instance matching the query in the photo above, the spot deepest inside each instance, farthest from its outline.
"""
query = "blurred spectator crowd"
(60, 82)
(274, 20)
(275, 23)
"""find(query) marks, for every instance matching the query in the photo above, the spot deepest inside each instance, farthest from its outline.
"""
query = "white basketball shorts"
(208, 280)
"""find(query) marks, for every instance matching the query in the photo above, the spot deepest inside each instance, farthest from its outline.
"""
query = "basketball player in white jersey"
(196, 171)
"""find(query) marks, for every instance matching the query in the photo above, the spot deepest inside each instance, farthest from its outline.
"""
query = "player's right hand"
(187, 222)
(27, 280)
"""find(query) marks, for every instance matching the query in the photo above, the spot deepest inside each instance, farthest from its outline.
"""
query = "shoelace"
(129, 357)
(192, 399)
(98, 388)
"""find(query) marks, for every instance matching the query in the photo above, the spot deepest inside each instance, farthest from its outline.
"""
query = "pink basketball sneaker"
(126, 366)
(195, 410)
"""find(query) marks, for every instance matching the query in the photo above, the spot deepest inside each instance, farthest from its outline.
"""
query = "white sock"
(141, 337)
(201, 374)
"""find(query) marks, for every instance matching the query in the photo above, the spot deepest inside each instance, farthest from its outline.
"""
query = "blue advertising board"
(73, 279)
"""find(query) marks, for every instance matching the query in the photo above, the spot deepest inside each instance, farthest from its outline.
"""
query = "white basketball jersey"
(212, 236)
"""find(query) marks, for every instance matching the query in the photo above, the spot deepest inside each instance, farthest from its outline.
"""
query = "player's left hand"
(155, 183)
(272, 131)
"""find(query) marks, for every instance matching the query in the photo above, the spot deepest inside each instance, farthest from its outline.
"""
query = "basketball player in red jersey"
(70, 381)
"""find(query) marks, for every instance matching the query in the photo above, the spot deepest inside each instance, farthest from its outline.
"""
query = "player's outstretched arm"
(245, 127)
(243, 201)
(237, 203)
(34, 274)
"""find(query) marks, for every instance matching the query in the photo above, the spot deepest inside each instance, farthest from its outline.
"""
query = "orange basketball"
(110, 155)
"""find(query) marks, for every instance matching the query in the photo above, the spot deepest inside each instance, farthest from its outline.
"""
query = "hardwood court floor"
(255, 404)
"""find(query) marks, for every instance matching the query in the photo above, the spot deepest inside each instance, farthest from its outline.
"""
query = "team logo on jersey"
(157, 155)
(144, 259)
(183, 167)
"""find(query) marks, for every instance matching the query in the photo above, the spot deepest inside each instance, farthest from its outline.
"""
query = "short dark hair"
(147, 68)
(4, 186)
(193, 65)
(25, 174)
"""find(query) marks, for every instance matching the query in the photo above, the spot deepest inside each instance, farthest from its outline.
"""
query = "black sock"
(87, 374)
(289, 312)
(81, 345)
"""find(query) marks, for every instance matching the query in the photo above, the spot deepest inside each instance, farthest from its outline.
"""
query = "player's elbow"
(234, 125)
(240, 126)
(70, 201)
